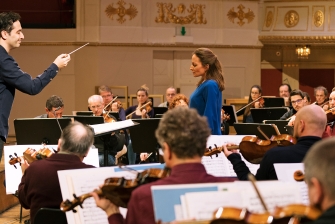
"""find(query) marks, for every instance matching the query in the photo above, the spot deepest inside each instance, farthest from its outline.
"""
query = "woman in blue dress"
(207, 97)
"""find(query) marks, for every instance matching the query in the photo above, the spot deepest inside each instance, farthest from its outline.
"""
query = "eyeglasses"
(296, 102)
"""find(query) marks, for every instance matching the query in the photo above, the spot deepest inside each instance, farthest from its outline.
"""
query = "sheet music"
(218, 165)
(113, 126)
(285, 173)
(14, 175)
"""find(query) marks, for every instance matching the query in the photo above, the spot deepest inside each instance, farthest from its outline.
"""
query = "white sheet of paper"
(108, 127)
(285, 173)
(14, 175)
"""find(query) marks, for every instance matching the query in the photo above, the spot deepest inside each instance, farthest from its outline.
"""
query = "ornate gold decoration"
(240, 15)
(121, 11)
(297, 39)
(318, 18)
(269, 19)
(166, 14)
(291, 19)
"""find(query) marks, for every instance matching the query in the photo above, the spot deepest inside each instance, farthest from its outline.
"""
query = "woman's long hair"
(247, 110)
(207, 57)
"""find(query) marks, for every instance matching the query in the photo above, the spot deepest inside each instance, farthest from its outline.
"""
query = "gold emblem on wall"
(269, 19)
(291, 19)
(168, 14)
(240, 15)
(318, 18)
(121, 11)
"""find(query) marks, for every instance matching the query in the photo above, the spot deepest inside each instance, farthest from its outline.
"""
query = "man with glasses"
(170, 93)
(298, 100)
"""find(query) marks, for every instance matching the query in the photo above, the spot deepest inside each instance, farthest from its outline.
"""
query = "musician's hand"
(144, 113)
(105, 204)
(287, 101)
(257, 105)
(144, 156)
(62, 60)
(291, 122)
(325, 107)
(24, 165)
(228, 152)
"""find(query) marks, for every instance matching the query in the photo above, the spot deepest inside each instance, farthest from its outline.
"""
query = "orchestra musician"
(54, 107)
(114, 142)
(309, 126)
(319, 168)
(106, 93)
(330, 130)
(284, 91)
(307, 98)
(321, 96)
(298, 100)
(142, 96)
(183, 134)
(207, 97)
(12, 76)
(255, 93)
(170, 93)
(39, 187)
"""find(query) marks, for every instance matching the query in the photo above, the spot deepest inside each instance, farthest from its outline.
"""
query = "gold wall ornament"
(269, 19)
(291, 19)
(318, 18)
(240, 15)
(167, 14)
(121, 11)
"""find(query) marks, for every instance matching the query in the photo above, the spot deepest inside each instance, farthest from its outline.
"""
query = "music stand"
(281, 125)
(273, 101)
(251, 129)
(289, 129)
(90, 120)
(273, 113)
(143, 136)
(159, 110)
(84, 113)
(37, 130)
(230, 109)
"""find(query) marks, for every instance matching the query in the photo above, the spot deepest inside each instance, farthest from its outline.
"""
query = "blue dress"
(207, 100)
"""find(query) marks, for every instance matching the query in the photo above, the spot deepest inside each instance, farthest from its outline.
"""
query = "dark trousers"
(1, 148)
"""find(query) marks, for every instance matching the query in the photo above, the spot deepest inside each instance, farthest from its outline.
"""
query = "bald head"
(310, 120)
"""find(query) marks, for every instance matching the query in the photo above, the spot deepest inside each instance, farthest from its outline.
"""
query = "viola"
(31, 155)
(118, 189)
(146, 106)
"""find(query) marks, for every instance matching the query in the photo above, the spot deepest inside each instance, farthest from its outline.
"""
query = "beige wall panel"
(302, 24)
(50, 35)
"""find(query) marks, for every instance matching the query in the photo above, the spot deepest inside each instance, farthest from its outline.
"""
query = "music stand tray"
(230, 109)
(273, 101)
(36, 130)
(90, 120)
(273, 113)
(251, 129)
(281, 124)
(143, 136)
(159, 110)
(84, 113)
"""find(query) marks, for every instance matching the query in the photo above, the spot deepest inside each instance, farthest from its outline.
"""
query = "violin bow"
(253, 182)
(264, 135)
(112, 101)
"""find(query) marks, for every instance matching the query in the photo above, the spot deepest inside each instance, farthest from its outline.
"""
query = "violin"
(146, 106)
(259, 99)
(330, 114)
(224, 116)
(31, 155)
(282, 139)
(118, 189)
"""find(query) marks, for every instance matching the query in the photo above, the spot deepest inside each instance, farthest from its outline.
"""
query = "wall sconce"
(303, 51)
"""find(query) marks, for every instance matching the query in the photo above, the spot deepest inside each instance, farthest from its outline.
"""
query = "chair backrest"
(50, 216)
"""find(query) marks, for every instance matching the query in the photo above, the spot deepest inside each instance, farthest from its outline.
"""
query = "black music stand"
(281, 125)
(290, 129)
(251, 129)
(84, 113)
(273, 101)
(89, 120)
(230, 110)
(159, 110)
(273, 113)
(39, 130)
(143, 136)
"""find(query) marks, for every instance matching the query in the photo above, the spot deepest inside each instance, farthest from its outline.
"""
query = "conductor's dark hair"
(7, 19)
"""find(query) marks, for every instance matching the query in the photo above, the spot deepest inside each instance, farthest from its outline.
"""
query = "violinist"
(183, 134)
(319, 168)
(255, 93)
(54, 107)
(114, 142)
(284, 91)
(298, 100)
(330, 130)
(170, 93)
(309, 125)
(39, 187)
(321, 96)
(138, 112)
(107, 95)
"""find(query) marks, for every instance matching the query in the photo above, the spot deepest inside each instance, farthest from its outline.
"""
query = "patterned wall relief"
(291, 19)
(167, 13)
(121, 11)
(240, 15)
(269, 18)
(318, 18)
